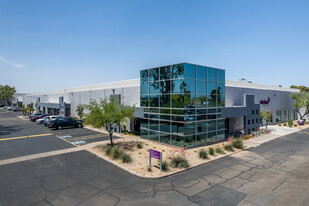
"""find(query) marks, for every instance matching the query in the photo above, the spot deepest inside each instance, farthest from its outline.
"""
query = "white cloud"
(14, 64)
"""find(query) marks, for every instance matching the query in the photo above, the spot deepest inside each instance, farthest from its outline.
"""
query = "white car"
(44, 119)
(49, 119)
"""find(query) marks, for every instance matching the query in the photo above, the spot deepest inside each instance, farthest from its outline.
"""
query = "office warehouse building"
(180, 104)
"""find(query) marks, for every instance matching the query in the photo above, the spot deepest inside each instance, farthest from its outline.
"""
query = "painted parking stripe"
(63, 137)
(21, 137)
(78, 142)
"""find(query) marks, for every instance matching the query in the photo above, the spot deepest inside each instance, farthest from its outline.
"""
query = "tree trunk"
(111, 138)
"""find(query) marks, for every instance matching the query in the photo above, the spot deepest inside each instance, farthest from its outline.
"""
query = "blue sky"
(54, 44)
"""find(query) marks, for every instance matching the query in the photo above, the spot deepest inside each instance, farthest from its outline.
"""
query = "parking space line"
(28, 136)
(66, 141)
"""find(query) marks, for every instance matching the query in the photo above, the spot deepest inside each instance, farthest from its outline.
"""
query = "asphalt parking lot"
(275, 173)
(20, 137)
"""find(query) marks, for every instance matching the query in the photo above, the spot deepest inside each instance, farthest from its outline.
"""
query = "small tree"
(301, 102)
(80, 111)
(267, 116)
(108, 113)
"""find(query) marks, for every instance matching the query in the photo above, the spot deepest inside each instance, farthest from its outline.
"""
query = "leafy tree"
(301, 88)
(108, 113)
(301, 102)
(80, 110)
(6, 94)
(267, 116)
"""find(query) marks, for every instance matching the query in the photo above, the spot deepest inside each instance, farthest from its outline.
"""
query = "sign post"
(157, 155)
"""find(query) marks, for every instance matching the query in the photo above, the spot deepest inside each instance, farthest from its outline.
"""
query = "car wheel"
(59, 127)
(79, 125)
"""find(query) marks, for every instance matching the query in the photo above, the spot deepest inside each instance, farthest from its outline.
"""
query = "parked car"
(41, 120)
(49, 122)
(38, 117)
(17, 109)
(59, 123)
(34, 114)
(5, 107)
(9, 108)
(2, 105)
(49, 119)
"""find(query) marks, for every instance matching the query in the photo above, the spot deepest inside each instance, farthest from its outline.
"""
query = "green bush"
(238, 143)
(116, 153)
(211, 151)
(179, 162)
(229, 147)
(139, 145)
(295, 125)
(219, 150)
(108, 150)
(203, 154)
(126, 158)
(290, 122)
(165, 166)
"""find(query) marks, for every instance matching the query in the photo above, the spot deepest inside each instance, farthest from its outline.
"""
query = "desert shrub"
(179, 162)
(280, 125)
(165, 166)
(108, 151)
(284, 124)
(290, 122)
(116, 153)
(295, 125)
(139, 145)
(125, 157)
(219, 150)
(211, 151)
(203, 154)
(238, 143)
(149, 169)
(229, 147)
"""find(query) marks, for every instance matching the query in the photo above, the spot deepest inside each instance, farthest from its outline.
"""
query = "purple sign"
(300, 122)
(155, 154)
(263, 101)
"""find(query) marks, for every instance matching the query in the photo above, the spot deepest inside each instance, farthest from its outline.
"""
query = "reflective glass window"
(154, 101)
(189, 71)
(144, 134)
(144, 123)
(165, 73)
(221, 75)
(189, 111)
(201, 127)
(201, 117)
(144, 75)
(153, 110)
(220, 135)
(144, 101)
(201, 139)
(177, 128)
(178, 111)
(211, 74)
(220, 102)
(165, 126)
(178, 71)
(165, 117)
(177, 140)
(189, 118)
(154, 135)
(189, 86)
(189, 128)
(165, 86)
(221, 124)
(154, 124)
(165, 138)
(201, 100)
(154, 74)
(201, 73)
(189, 141)
(221, 89)
(201, 111)
(211, 125)
(145, 88)
(211, 100)
(178, 101)
(211, 137)
(165, 111)
(165, 100)
(189, 101)
(211, 87)
(153, 87)
(201, 87)
(178, 118)
(178, 86)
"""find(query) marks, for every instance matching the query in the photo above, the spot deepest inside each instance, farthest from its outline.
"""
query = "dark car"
(65, 122)
(38, 117)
